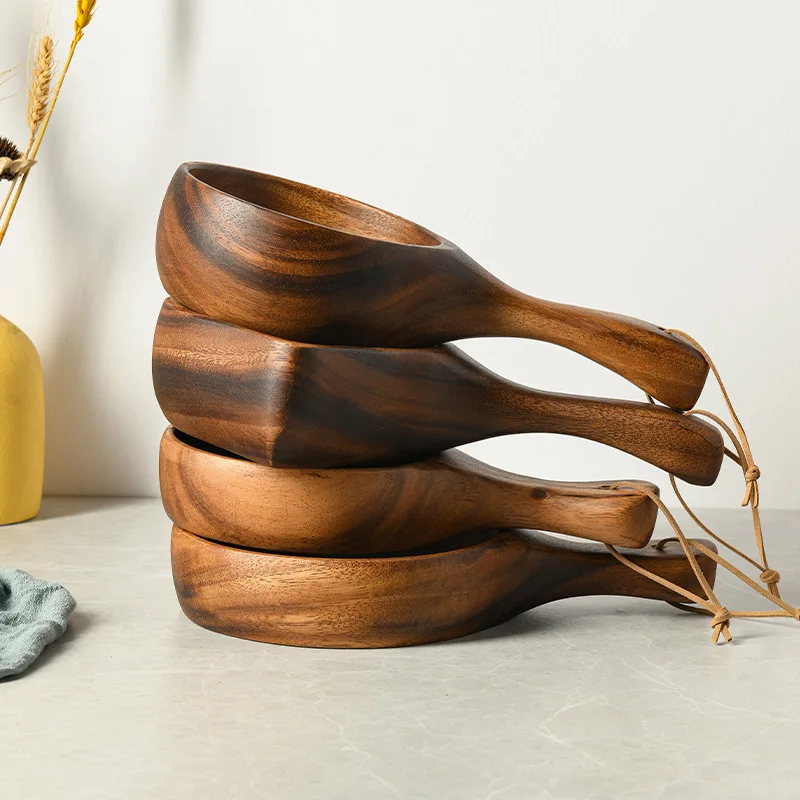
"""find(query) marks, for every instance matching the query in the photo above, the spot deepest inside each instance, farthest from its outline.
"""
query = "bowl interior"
(314, 205)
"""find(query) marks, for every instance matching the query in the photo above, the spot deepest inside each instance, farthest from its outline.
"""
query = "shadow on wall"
(82, 430)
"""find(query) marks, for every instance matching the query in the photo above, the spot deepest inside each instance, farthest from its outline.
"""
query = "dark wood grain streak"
(356, 511)
(308, 265)
(290, 404)
(398, 601)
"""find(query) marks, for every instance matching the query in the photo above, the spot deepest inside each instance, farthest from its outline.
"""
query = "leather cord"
(709, 604)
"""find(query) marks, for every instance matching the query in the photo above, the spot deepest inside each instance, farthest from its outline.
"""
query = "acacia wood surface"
(361, 511)
(309, 265)
(290, 404)
(413, 599)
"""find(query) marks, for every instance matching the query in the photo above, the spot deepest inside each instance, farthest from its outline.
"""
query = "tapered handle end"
(663, 364)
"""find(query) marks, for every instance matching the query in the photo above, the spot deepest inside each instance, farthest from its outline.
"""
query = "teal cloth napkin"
(33, 613)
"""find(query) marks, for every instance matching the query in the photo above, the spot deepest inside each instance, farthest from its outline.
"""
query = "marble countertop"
(586, 698)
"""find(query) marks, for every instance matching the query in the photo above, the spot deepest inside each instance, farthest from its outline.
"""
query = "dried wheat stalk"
(40, 85)
(83, 16)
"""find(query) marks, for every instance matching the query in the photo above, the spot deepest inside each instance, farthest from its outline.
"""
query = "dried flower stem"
(7, 198)
(12, 162)
(83, 16)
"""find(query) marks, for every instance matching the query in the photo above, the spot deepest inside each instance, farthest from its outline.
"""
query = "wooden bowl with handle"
(363, 511)
(289, 404)
(309, 265)
(409, 599)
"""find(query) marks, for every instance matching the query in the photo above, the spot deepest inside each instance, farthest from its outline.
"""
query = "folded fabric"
(33, 613)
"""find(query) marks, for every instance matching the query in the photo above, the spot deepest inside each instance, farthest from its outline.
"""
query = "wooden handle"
(589, 570)
(685, 446)
(622, 517)
(663, 364)
(590, 509)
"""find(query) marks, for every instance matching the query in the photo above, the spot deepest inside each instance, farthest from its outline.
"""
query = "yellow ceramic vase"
(21, 426)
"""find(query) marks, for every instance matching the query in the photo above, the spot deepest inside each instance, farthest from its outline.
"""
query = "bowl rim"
(484, 540)
(188, 169)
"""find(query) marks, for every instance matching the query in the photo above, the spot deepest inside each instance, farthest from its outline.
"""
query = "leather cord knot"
(770, 577)
(721, 623)
(751, 476)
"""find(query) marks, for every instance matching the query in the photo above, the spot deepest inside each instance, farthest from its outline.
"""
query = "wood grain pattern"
(308, 265)
(220, 496)
(392, 602)
(289, 404)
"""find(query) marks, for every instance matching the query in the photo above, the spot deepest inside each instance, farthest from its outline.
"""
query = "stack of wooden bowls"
(302, 363)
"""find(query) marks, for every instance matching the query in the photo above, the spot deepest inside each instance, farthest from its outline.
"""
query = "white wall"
(637, 156)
